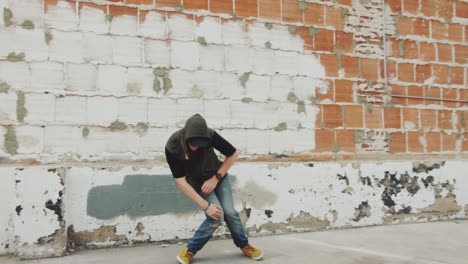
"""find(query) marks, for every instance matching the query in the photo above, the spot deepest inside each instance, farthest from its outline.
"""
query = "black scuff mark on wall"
(19, 208)
(366, 181)
(429, 180)
(345, 178)
(394, 185)
(56, 207)
(424, 168)
(268, 213)
(363, 211)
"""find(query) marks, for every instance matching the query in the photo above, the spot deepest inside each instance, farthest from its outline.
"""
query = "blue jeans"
(222, 196)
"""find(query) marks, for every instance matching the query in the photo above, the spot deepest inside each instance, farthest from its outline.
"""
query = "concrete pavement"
(426, 243)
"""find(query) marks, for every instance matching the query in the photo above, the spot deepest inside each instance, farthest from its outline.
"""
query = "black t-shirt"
(177, 166)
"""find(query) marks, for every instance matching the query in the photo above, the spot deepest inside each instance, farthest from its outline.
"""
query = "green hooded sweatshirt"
(202, 164)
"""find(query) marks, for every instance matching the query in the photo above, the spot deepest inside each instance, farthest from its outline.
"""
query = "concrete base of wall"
(51, 208)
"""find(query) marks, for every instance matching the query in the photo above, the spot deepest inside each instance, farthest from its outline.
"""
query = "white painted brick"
(186, 108)
(47, 75)
(16, 74)
(93, 19)
(305, 87)
(309, 65)
(3, 151)
(70, 110)
(281, 86)
(140, 81)
(133, 110)
(67, 46)
(62, 16)
(258, 141)
(154, 26)
(230, 86)
(7, 41)
(266, 115)
(127, 50)
(124, 25)
(96, 142)
(237, 138)
(41, 107)
(128, 141)
(307, 119)
(154, 140)
(218, 112)
(102, 110)
(32, 43)
(263, 61)
(207, 81)
(286, 62)
(291, 141)
(30, 139)
(3, 4)
(243, 114)
(210, 29)
(258, 87)
(157, 52)
(7, 203)
(260, 34)
(62, 139)
(180, 27)
(238, 59)
(212, 57)
(81, 77)
(162, 112)
(185, 55)
(287, 113)
(98, 48)
(182, 82)
(234, 33)
(26, 10)
(111, 78)
(278, 36)
(8, 108)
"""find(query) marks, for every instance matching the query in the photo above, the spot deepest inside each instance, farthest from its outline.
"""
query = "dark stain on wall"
(56, 207)
(268, 213)
(394, 184)
(139, 195)
(19, 208)
(424, 168)
(428, 181)
(345, 178)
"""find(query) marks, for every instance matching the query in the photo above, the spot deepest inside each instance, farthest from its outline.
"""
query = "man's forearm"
(228, 161)
(188, 190)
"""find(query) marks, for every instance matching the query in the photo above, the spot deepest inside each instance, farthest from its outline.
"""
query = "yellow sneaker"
(251, 252)
(185, 256)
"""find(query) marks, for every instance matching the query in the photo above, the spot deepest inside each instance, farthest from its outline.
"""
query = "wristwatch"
(218, 176)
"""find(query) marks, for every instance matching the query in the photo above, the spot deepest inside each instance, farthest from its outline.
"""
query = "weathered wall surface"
(332, 105)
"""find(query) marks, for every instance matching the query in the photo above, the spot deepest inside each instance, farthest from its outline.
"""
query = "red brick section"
(439, 30)
(246, 8)
(329, 95)
(461, 54)
(411, 6)
(455, 32)
(123, 11)
(462, 9)
(449, 142)
(373, 118)
(270, 9)
(421, 27)
(405, 26)
(427, 51)
(397, 142)
(344, 91)
(353, 116)
(167, 3)
(440, 73)
(334, 17)
(429, 7)
(423, 72)
(410, 118)
(291, 11)
(450, 94)
(428, 119)
(395, 5)
(48, 3)
(432, 92)
(314, 14)
(410, 49)
(392, 118)
(332, 116)
(139, 2)
(369, 68)
(330, 62)
(445, 52)
(196, 4)
(401, 91)
(445, 119)
(415, 91)
(345, 140)
(433, 140)
(324, 140)
(414, 144)
(344, 41)
(445, 8)
(350, 66)
(222, 6)
(457, 75)
(406, 72)
(323, 40)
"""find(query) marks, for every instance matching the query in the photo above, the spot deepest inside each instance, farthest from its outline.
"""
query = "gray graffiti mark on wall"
(139, 195)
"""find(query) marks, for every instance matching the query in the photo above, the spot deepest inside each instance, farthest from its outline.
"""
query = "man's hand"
(209, 185)
(214, 211)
